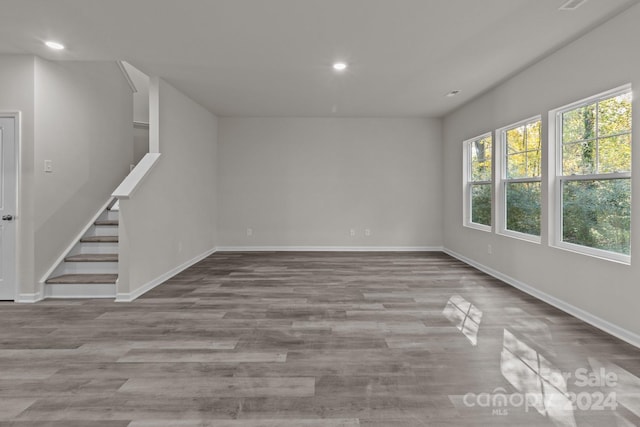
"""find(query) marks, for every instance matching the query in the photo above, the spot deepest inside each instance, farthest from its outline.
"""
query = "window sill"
(486, 228)
(521, 236)
(594, 253)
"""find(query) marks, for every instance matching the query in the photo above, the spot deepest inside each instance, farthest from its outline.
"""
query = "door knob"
(7, 217)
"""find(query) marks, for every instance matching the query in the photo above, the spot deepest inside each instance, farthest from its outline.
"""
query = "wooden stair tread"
(106, 222)
(92, 258)
(91, 279)
(105, 239)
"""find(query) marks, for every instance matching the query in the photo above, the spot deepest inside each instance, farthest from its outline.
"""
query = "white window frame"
(467, 206)
(502, 181)
(555, 163)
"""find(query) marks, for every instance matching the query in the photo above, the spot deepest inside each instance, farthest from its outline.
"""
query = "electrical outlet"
(489, 249)
(352, 232)
(367, 232)
(249, 231)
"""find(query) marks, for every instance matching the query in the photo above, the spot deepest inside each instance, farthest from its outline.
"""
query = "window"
(478, 182)
(593, 175)
(521, 172)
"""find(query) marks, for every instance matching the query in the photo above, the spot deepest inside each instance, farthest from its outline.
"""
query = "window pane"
(481, 204)
(523, 151)
(517, 165)
(614, 115)
(579, 124)
(534, 164)
(533, 136)
(615, 154)
(579, 158)
(481, 171)
(597, 214)
(523, 207)
(481, 159)
(515, 140)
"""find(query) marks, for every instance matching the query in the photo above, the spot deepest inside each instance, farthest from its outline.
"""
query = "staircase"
(90, 269)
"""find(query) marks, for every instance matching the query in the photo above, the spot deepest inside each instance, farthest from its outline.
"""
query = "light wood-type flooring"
(314, 339)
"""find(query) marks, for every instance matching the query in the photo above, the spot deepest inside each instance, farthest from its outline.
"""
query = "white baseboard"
(130, 296)
(329, 249)
(604, 325)
(30, 298)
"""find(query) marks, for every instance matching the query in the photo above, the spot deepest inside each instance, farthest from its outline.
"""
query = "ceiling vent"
(572, 4)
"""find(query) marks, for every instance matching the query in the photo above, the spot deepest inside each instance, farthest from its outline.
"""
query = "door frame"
(16, 116)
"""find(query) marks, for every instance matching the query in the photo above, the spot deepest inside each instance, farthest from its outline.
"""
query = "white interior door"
(8, 177)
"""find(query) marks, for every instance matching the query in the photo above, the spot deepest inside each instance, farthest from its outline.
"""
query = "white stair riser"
(79, 291)
(102, 230)
(95, 248)
(89, 268)
(110, 215)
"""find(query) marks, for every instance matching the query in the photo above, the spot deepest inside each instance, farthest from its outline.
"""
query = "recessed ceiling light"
(339, 66)
(453, 93)
(54, 45)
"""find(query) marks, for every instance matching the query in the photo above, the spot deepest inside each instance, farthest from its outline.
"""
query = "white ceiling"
(273, 57)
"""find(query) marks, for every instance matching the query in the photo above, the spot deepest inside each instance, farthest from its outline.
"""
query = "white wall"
(170, 219)
(140, 111)
(308, 181)
(603, 59)
(141, 97)
(140, 143)
(83, 116)
(17, 94)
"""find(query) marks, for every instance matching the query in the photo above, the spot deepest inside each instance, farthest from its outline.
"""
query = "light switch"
(48, 166)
